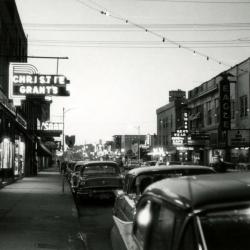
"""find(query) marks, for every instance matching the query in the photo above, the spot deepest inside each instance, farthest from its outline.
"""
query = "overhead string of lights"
(103, 11)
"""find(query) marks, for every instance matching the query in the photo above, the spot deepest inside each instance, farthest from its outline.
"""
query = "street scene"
(124, 124)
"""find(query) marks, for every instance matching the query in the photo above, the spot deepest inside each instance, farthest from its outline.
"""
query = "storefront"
(12, 143)
(239, 142)
(19, 157)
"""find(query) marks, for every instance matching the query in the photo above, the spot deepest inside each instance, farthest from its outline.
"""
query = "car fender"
(122, 236)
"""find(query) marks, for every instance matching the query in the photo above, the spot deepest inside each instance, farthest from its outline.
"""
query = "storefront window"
(19, 156)
(6, 153)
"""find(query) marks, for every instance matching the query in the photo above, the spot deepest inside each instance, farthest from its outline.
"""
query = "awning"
(42, 150)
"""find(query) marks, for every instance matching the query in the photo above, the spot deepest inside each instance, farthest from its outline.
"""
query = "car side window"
(127, 184)
(162, 229)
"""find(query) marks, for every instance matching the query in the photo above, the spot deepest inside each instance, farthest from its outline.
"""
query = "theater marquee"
(24, 80)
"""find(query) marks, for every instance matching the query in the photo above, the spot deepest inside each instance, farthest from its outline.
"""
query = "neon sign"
(24, 80)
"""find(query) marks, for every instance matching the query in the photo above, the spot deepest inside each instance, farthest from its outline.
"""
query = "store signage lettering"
(25, 84)
(181, 132)
(24, 80)
(177, 140)
(38, 79)
(50, 126)
(225, 109)
(36, 90)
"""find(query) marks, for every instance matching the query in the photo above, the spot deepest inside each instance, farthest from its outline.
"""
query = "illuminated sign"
(24, 80)
(225, 110)
(50, 126)
(185, 120)
(181, 132)
(181, 148)
(177, 141)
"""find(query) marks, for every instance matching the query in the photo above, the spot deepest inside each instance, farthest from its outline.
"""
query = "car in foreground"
(98, 179)
(203, 212)
(138, 179)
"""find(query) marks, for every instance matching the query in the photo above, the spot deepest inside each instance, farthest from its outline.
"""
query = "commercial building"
(128, 144)
(24, 147)
(219, 118)
(172, 127)
(13, 47)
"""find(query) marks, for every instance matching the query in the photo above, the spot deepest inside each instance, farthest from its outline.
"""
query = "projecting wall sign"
(24, 80)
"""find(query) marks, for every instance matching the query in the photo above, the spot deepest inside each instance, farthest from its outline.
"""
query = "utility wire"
(199, 42)
(164, 39)
(204, 2)
(130, 46)
(152, 25)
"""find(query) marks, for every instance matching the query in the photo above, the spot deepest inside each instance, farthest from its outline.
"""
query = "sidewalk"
(35, 213)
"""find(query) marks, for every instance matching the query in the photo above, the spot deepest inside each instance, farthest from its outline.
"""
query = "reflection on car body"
(138, 179)
(98, 179)
(204, 212)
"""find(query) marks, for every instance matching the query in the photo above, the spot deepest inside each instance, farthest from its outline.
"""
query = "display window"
(19, 157)
(6, 153)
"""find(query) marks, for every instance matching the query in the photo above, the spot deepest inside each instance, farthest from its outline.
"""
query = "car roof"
(203, 191)
(140, 170)
(100, 162)
(80, 162)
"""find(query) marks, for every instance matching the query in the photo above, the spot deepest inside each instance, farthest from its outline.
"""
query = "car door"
(156, 224)
(121, 202)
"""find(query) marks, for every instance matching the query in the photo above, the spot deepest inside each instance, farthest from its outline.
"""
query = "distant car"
(205, 212)
(131, 165)
(223, 166)
(98, 179)
(138, 179)
(74, 173)
(149, 163)
(243, 166)
(174, 163)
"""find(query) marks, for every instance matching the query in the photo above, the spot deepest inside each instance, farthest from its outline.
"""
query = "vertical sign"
(225, 110)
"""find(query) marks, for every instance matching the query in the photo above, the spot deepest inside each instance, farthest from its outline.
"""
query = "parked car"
(205, 212)
(243, 166)
(173, 163)
(70, 168)
(138, 179)
(223, 166)
(131, 165)
(73, 174)
(149, 163)
(98, 179)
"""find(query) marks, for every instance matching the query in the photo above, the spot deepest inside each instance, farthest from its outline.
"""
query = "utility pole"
(63, 139)
(139, 145)
(63, 133)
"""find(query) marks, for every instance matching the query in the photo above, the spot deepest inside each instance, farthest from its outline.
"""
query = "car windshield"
(227, 230)
(99, 169)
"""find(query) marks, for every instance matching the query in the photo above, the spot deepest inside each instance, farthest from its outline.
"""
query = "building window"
(232, 109)
(243, 106)
(209, 117)
(209, 113)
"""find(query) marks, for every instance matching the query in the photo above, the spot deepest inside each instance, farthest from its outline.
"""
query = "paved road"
(96, 222)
